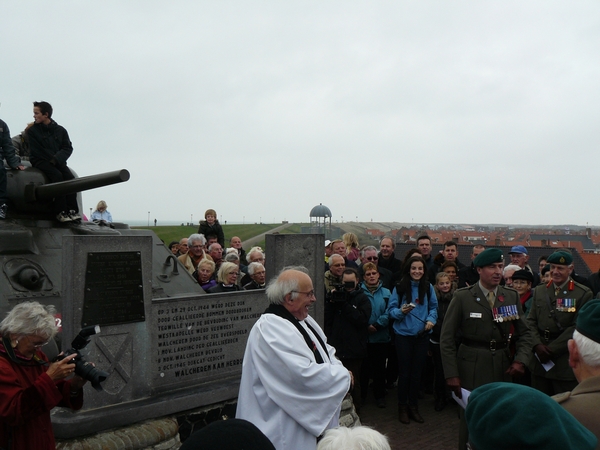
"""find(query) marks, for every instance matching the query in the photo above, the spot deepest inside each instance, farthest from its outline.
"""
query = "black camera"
(83, 368)
(338, 292)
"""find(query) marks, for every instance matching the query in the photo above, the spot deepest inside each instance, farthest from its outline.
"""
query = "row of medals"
(566, 304)
(505, 313)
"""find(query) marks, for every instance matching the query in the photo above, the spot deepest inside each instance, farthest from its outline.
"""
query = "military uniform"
(583, 403)
(483, 356)
(552, 319)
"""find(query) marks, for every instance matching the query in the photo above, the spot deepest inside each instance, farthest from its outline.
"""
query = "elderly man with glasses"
(292, 384)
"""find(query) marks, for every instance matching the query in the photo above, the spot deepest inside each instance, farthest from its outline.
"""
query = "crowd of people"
(424, 324)
(451, 328)
(218, 268)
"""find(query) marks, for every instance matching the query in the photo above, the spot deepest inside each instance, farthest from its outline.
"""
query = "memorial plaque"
(203, 337)
(113, 291)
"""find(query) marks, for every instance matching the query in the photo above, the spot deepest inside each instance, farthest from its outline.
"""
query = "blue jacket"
(379, 315)
(410, 325)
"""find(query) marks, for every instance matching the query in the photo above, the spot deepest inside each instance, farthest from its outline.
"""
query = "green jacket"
(469, 314)
(542, 324)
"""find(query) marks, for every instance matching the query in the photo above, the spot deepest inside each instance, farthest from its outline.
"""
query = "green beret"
(564, 258)
(488, 256)
(588, 320)
(510, 416)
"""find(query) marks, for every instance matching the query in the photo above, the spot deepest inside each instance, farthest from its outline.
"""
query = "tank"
(31, 241)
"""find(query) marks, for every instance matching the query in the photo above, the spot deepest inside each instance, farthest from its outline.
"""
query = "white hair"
(254, 250)
(232, 257)
(512, 267)
(195, 238)
(588, 349)
(30, 318)
(357, 438)
(334, 256)
(278, 287)
(367, 249)
(252, 267)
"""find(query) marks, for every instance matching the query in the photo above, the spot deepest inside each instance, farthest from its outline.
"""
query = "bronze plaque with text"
(113, 289)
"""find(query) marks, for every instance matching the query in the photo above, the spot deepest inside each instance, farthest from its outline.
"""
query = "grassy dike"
(176, 232)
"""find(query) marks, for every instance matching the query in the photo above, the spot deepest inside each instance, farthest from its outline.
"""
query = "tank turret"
(32, 241)
(29, 192)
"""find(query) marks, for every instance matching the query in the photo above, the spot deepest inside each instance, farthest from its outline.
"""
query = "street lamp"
(148, 218)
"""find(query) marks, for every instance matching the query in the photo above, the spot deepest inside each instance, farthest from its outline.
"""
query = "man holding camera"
(347, 314)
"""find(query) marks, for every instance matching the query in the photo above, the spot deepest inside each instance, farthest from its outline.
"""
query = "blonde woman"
(226, 278)
(352, 246)
(101, 214)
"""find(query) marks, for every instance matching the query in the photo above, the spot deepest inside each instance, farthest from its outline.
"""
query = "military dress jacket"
(483, 355)
(583, 403)
(545, 329)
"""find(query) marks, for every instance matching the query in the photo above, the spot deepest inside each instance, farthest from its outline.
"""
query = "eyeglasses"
(372, 258)
(339, 265)
(37, 345)
(309, 294)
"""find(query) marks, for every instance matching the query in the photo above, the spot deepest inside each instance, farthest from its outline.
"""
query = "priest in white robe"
(292, 384)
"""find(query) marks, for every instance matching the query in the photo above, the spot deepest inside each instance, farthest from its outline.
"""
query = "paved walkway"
(440, 430)
(249, 243)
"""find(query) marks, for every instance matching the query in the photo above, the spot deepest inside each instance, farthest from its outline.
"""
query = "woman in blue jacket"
(379, 334)
(413, 306)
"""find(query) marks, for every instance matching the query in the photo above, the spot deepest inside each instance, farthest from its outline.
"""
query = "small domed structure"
(320, 215)
(320, 211)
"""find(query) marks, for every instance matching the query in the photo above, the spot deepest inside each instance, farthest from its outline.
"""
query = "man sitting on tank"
(50, 147)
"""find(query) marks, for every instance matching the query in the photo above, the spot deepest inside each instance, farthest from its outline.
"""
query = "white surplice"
(283, 391)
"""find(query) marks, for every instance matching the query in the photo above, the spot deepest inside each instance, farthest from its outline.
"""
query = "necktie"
(491, 299)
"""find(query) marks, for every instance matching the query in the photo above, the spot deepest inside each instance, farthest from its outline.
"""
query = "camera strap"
(10, 354)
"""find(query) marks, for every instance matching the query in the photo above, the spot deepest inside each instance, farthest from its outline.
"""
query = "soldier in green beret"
(483, 314)
(584, 358)
(552, 319)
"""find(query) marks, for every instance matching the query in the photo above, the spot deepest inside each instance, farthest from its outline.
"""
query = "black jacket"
(467, 276)
(215, 229)
(392, 264)
(48, 142)
(346, 324)
(221, 288)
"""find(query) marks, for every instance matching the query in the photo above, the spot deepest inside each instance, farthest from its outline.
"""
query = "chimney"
(544, 242)
(588, 233)
(497, 242)
(406, 237)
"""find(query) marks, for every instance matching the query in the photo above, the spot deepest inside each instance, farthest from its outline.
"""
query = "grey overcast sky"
(424, 111)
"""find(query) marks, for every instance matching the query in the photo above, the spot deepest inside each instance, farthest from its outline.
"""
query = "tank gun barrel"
(49, 191)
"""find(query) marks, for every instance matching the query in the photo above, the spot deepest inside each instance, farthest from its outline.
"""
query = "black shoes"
(70, 216)
(440, 404)
(75, 216)
(403, 414)
(63, 217)
(3, 209)
(413, 413)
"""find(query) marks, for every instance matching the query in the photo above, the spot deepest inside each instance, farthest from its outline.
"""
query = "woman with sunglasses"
(30, 386)
(413, 306)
